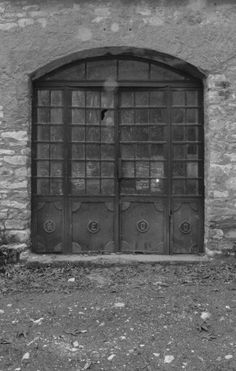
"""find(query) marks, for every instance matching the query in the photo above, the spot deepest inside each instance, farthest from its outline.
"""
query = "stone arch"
(150, 54)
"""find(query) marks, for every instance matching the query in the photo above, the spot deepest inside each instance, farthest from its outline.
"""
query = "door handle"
(119, 168)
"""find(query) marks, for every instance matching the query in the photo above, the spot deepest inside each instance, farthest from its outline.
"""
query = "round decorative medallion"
(49, 226)
(185, 227)
(142, 226)
(93, 226)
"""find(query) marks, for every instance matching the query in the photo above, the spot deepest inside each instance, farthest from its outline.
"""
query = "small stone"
(26, 356)
(76, 344)
(110, 358)
(1, 311)
(228, 356)
(169, 359)
(156, 354)
(71, 279)
(205, 316)
(119, 305)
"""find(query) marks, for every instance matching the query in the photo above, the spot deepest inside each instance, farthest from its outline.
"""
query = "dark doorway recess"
(117, 159)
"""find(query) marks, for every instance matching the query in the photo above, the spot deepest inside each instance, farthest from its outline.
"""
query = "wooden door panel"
(48, 226)
(187, 226)
(143, 227)
(92, 226)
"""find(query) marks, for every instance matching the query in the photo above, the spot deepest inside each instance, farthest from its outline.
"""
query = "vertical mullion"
(149, 139)
(50, 146)
(169, 170)
(100, 132)
(117, 160)
(85, 138)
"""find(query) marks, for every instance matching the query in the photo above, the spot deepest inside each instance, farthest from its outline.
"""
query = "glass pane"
(72, 73)
(127, 151)
(77, 116)
(107, 135)
(160, 73)
(93, 117)
(192, 169)
(192, 187)
(77, 169)
(107, 169)
(192, 133)
(56, 98)
(128, 186)
(42, 115)
(142, 185)
(126, 133)
(93, 186)
(56, 151)
(93, 99)
(179, 169)
(142, 151)
(127, 99)
(192, 98)
(141, 116)
(127, 169)
(77, 134)
(101, 70)
(127, 116)
(92, 169)
(140, 133)
(178, 133)
(178, 98)
(107, 186)
(42, 150)
(178, 186)
(78, 151)
(77, 186)
(43, 133)
(157, 133)
(158, 116)
(107, 151)
(157, 151)
(179, 151)
(92, 151)
(78, 98)
(192, 151)
(142, 169)
(141, 98)
(92, 134)
(192, 116)
(56, 116)
(43, 97)
(57, 134)
(56, 187)
(133, 70)
(178, 115)
(107, 99)
(158, 98)
(42, 186)
(157, 170)
(42, 168)
(107, 117)
(56, 169)
(157, 185)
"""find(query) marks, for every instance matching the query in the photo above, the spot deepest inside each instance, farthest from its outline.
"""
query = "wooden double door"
(117, 169)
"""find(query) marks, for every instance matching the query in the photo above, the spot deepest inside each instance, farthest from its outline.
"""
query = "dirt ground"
(143, 317)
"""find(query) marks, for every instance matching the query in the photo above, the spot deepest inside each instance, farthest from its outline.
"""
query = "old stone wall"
(34, 33)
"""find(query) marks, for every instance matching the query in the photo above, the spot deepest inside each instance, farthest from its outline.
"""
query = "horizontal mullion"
(186, 142)
(131, 83)
(49, 106)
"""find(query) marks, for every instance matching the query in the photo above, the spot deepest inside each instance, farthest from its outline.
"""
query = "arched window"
(117, 158)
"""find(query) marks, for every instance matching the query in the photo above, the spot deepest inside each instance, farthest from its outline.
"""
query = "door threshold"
(30, 258)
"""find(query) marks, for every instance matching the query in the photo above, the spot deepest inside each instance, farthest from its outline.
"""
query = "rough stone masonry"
(34, 33)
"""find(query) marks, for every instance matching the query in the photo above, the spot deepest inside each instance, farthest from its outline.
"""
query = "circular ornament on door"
(142, 226)
(93, 226)
(49, 226)
(185, 227)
